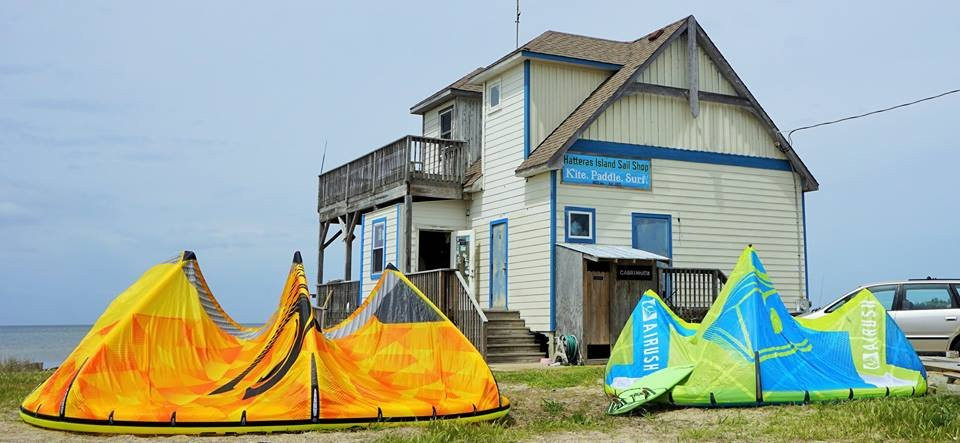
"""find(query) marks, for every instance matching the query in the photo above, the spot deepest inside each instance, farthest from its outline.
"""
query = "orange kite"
(164, 358)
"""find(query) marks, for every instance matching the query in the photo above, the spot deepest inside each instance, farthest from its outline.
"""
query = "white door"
(462, 254)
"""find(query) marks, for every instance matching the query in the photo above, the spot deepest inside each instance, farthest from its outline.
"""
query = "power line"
(789, 134)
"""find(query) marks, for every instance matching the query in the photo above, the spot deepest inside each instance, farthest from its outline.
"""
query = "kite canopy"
(749, 350)
(164, 358)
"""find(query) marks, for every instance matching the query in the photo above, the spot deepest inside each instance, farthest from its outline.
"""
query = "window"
(493, 95)
(446, 123)
(579, 224)
(885, 294)
(378, 248)
(652, 233)
(926, 296)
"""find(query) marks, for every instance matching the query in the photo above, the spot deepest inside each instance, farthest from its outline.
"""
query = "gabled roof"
(460, 86)
(555, 43)
(637, 55)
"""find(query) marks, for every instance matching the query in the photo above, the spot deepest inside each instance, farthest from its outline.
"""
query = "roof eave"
(441, 98)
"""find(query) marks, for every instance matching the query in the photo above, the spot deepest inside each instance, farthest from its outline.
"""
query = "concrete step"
(505, 324)
(515, 357)
(512, 332)
(499, 349)
(494, 315)
(510, 340)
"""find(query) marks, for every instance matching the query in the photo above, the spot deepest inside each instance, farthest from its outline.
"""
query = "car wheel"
(955, 346)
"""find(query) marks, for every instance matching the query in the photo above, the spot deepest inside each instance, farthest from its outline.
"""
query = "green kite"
(749, 351)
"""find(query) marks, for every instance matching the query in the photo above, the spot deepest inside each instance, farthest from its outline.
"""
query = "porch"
(412, 168)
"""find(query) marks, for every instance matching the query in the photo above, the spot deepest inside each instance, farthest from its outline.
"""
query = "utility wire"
(790, 134)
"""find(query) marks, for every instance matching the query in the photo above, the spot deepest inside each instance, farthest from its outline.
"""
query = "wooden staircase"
(509, 340)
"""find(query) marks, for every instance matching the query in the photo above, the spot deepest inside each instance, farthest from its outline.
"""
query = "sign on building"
(589, 169)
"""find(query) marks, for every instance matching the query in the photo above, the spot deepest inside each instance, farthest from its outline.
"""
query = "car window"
(926, 296)
(885, 294)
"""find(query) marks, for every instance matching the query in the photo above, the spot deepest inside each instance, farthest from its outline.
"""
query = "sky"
(132, 130)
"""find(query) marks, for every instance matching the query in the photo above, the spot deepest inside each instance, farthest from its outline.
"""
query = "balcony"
(425, 167)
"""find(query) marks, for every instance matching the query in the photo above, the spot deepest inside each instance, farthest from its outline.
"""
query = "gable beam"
(650, 88)
(809, 182)
(693, 67)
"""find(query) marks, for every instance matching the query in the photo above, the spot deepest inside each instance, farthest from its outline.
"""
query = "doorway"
(433, 250)
(596, 309)
(498, 264)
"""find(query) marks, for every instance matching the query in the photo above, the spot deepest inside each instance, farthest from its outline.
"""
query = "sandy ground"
(527, 406)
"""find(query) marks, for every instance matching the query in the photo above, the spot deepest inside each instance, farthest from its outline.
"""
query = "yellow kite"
(164, 358)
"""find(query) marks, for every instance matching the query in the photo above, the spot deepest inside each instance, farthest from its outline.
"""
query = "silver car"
(926, 310)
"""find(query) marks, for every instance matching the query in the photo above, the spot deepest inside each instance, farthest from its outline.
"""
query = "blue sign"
(588, 169)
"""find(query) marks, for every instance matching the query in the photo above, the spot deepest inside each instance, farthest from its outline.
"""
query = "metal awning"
(615, 252)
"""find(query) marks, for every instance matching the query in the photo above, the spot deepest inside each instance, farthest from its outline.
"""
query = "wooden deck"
(425, 167)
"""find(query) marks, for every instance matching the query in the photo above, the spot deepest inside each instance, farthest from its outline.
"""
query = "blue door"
(652, 233)
(498, 264)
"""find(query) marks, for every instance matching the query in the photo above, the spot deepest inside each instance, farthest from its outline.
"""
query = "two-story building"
(572, 173)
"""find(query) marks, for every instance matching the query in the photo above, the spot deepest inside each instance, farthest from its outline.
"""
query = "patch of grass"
(552, 406)
(444, 431)
(934, 417)
(15, 385)
(554, 378)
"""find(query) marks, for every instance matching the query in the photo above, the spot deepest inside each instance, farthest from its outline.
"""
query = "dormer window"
(446, 123)
(493, 95)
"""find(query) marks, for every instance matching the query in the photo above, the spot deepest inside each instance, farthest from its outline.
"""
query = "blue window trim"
(526, 108)
(373, 241)
(633, 232)
(806, 264)
(396, 255)
(363, 224)
(566, 227)
(506, 263)
(553, 250)
(645, 151)
(573, 60)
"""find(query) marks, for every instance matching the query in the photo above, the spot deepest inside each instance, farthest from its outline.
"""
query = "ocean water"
(47, 344)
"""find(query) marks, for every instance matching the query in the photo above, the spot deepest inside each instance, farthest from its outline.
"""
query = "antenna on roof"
(324, 158)
(517, 42)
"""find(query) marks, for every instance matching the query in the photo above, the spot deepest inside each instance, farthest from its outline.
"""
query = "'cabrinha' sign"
(590, 169)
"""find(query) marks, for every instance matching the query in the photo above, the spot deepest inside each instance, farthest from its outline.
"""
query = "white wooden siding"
(716, 211)
(392, 252)
(440, 215)
(555, 91)
(670, 69)
(431, 120)
(524, 203)
(657, 120)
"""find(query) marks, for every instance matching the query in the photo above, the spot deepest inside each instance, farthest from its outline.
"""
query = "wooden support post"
(347, 223)
(693, 67)
(407, 229)
(321, 245)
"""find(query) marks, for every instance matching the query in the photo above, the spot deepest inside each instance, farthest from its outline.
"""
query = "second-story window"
(493, 95)
(378, 253)
(446, 123)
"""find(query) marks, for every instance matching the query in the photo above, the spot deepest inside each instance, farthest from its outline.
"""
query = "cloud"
(12, 214)
(73, 105)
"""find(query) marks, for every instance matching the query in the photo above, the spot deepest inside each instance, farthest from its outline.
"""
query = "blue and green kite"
(749, 350)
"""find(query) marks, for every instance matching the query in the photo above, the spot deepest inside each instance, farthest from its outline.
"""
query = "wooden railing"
(339, 299)
(689, 291)
(445, 288)
(410, 158)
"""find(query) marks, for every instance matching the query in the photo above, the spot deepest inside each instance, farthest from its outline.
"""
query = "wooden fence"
(690, 292)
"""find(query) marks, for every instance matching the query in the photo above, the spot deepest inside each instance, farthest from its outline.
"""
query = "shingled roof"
(460, 85)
